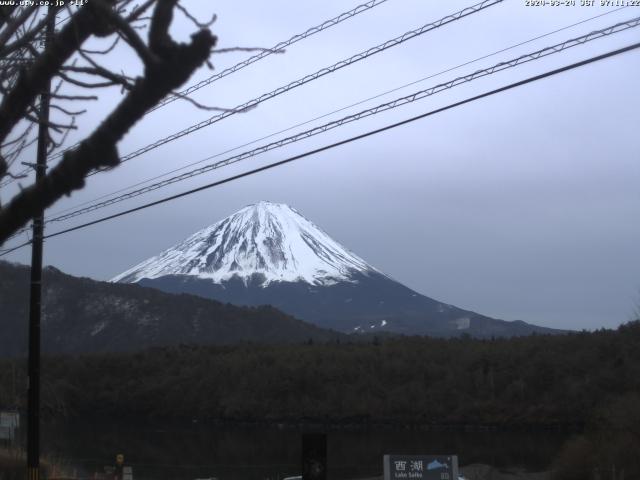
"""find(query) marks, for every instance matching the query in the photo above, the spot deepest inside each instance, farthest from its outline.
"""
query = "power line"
(245, 63)
(357, 116)
(360, 102)
(311, 77)
(351, 139)
(276, 48)
(7, 251)
(421, 94)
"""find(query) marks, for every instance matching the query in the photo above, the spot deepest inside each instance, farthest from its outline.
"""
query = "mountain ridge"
(369, 305)
(268, 253)
(81, 315)
(265, 238)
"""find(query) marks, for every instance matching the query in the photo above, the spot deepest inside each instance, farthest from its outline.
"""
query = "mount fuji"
(268, 253)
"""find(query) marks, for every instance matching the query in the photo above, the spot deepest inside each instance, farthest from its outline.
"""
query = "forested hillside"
(81, 315)
(537, 380)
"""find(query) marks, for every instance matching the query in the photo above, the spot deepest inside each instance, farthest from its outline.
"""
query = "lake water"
(193, 451)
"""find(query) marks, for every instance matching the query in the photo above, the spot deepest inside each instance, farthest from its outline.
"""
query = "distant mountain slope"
(83, 315)
(268, 253)
(369, 304)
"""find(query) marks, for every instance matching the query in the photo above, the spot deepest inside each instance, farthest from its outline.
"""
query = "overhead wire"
(320, 73)
(270, 51)
(311, 77)
(355, 138)
(239, 66)
(621, 26)
(341, 109)
(270, 166)
(7, 251)
(259, 56)
(421, 94)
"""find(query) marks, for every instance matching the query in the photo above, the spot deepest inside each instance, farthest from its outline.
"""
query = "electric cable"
(419, 95)
(306, 122)
(275, 49)
(307, 78)
(239, 66)
(352, 139)
(309, 153)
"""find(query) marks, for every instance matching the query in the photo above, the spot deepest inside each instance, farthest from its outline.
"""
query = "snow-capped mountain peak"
(271, 240)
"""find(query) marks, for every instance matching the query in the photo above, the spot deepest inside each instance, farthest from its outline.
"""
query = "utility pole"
(33, 387)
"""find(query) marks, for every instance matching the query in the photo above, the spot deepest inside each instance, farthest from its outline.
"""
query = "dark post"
(314, 456)
(119, 470)
(33, 394)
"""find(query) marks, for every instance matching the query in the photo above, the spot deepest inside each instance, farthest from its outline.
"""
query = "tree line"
(537, 380)
(588, 382)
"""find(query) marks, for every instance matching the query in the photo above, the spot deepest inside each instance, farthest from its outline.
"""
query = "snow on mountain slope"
(269, 239)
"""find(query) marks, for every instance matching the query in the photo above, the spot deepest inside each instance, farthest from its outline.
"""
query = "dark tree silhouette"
(26, 69)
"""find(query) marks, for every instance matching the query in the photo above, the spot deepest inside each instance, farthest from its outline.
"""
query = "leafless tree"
(27, 68)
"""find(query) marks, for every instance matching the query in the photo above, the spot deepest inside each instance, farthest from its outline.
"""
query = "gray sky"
(519, 206)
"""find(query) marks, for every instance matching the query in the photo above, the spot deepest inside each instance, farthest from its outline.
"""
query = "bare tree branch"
(159, 38)
(83, 84)
(29, 35)
(139, 11)
(32, 81)
(67, 112)
(128, 33)
(58, 127)
(5, 13)
(194, 20)
(107, 50)
(176, 62)
(14, 24)
(74, 97)
(201, 106)
(57, 144)
(17, 139)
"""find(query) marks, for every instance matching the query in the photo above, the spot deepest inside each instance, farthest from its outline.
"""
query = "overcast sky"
(524, 205)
